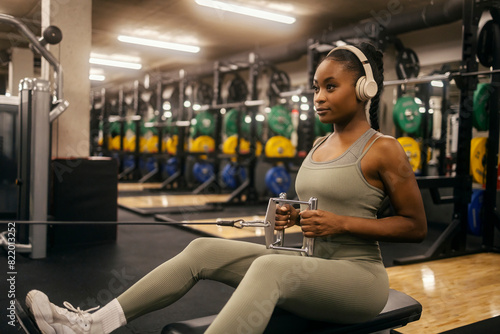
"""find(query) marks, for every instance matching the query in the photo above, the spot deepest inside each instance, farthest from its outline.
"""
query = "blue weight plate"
(475, 222)
(278, 180)
(233, 175)
(171, 166)
(202, 171)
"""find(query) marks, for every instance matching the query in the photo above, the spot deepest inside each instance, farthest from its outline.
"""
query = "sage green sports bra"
(341, 188)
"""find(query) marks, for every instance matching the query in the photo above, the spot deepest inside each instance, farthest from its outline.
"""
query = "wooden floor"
(138, 186)
(453, 292)
(163, 201)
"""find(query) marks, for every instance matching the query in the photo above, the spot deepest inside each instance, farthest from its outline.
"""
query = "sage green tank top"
(341, 188)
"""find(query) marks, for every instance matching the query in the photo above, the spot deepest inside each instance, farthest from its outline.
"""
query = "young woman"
(351, 172)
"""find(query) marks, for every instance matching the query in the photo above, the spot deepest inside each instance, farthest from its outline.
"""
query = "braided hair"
(352, 63)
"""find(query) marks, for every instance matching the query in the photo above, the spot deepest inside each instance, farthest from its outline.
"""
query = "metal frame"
(37, 109)
(453, 241)
(34, 156)
(491, 218)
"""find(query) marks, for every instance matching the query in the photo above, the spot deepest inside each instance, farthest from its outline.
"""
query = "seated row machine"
(400, 309)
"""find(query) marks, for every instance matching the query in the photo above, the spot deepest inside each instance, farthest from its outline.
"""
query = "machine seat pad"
(400, 310)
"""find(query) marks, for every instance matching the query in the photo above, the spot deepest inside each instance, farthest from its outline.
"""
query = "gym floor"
(91, 274)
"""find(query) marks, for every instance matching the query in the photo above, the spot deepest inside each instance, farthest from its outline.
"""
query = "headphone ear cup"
(360, 89)
(365, 89)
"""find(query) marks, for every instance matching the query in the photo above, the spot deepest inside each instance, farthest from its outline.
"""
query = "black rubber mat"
(486, 326)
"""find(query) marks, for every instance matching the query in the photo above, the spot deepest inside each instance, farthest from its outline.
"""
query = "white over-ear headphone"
(366, 87)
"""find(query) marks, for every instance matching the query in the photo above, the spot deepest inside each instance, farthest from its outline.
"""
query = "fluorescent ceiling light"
(261, 14)
(115, 63)
(159, 44)
(97, 77)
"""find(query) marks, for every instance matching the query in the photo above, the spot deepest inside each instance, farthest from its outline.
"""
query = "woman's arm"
(387, 167)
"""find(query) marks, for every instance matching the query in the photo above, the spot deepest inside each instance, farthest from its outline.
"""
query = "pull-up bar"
(438, 77)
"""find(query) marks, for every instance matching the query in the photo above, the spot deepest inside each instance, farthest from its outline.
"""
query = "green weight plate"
(205, 124)
(114, 128)
(171, 128)
(280, 121)
(130, 127)
(142, 128)
(145, 129)
(406, 114)
(481, 117)
(230, 119)
(230, 127)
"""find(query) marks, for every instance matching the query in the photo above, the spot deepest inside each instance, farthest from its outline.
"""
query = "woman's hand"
(319, 223)
(286, 216)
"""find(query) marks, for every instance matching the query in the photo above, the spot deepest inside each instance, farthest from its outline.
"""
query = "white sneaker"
(52, 319)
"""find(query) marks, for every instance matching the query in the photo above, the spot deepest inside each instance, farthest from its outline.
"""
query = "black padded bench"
(400, 310)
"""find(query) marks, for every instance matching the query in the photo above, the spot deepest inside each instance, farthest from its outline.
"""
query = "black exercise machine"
(453, 241)
(400, 310)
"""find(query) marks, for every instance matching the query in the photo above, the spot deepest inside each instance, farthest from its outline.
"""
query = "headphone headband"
(366, 87)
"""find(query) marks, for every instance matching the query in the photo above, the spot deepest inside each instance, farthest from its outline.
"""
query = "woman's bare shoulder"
(387, 147)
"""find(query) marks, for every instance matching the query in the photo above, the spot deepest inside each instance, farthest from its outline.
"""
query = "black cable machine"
(489, 55)
(247, 105)
(38, 107)
(453, 240)
(178, 121)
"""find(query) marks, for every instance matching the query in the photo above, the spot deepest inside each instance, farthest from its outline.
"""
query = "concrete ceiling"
(219, 34)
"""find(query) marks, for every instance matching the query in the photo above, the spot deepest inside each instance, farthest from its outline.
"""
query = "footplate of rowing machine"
(275, 239)
(25, 323)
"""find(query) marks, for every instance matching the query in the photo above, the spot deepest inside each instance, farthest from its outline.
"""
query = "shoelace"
(79, 313)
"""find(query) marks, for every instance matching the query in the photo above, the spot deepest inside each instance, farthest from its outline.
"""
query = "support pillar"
(70, 131)
(21, 66)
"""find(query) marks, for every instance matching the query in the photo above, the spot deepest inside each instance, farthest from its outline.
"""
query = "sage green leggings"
(341, 291)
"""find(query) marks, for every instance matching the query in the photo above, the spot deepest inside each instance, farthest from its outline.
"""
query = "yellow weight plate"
(152, 144)
(129, 144)
(202, 144)
(412, 149)
(115, 143)
(477, 159)
(143, 145)
(171, 144)
(258, 149)
(229, 146)
(279, 147)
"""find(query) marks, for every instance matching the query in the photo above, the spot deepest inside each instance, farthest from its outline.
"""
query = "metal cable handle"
(307, 243)
(275, 239)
